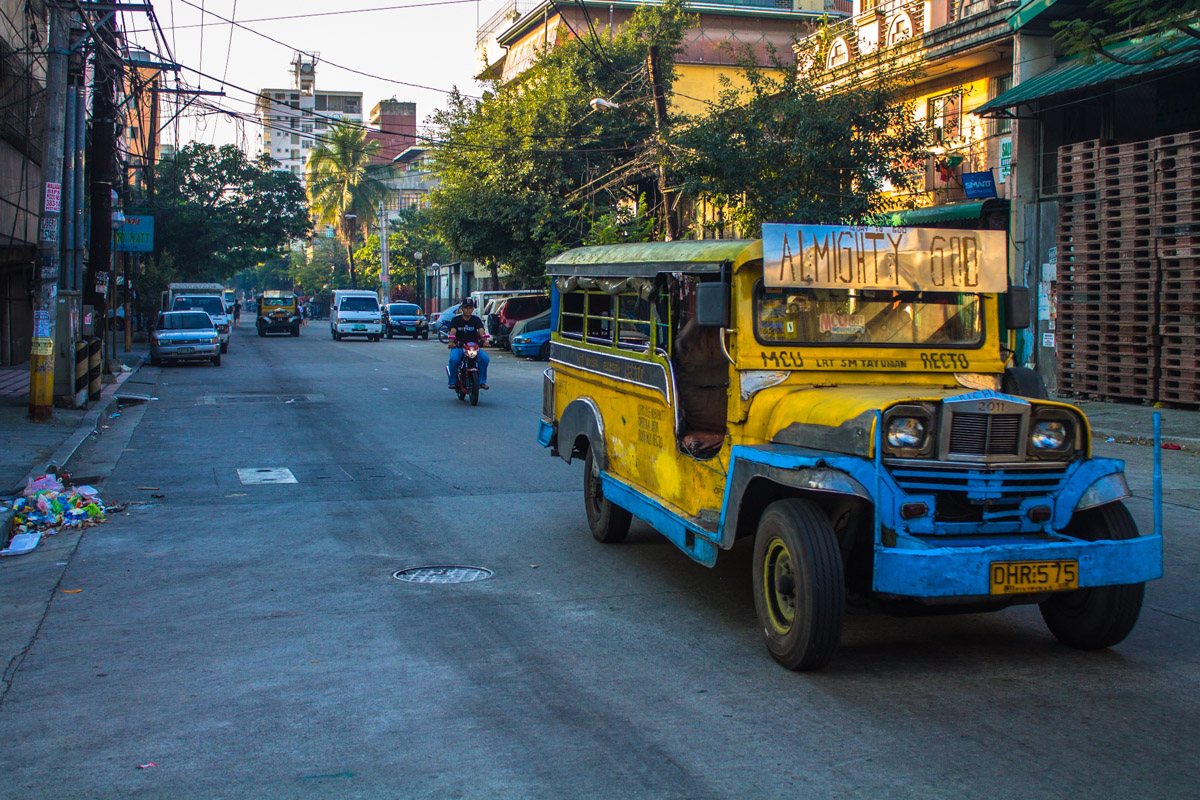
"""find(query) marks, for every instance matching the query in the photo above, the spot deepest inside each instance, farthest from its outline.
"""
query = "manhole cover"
(250, 476)
(442, 574)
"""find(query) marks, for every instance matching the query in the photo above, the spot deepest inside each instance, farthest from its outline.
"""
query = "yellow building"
(510, 41)
(963, 50)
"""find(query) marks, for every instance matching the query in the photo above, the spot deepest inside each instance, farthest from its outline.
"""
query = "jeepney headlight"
(905, 432)
(908, 430)
(1049, 434)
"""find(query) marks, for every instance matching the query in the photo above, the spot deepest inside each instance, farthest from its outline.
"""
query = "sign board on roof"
(902, 259)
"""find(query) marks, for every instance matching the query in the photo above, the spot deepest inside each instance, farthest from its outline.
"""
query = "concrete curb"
(87, 427)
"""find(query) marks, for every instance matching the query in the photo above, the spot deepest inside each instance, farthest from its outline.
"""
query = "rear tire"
(1099, 616)
(388, 334)
(155, 361)
(799, 584)
(262, 331)
(425, 336)
(1023, 382)
(295, 330)
(608, 522)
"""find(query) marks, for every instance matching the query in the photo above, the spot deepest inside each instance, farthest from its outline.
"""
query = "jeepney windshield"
(280, 302)
(876, 317)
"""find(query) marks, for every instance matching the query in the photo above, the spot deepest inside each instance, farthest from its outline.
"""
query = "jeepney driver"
(466, 327)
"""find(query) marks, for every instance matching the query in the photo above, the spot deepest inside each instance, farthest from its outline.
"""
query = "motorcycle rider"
(466, 327)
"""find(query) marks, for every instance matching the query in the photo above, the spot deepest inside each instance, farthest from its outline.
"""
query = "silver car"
(182, 335)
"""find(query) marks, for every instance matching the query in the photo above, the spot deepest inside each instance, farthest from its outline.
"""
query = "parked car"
(533, 344)
(183, 336)
(516, 309)
(404, 319)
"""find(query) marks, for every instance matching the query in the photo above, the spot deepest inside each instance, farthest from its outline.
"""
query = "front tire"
(216, 360)
(799, 584)
(295, 330)
(473, 387)
(608, 522)
(1099, 616)
(262, 331)
(155, 361)
(224, 347)
(544, 352)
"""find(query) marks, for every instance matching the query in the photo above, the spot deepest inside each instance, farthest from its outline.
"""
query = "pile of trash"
(46, 507)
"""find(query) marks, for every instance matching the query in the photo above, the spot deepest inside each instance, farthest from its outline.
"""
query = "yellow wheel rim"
(779, 586)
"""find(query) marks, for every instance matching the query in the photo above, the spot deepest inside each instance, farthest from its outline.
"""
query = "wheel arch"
(755, 486)
(580, 428)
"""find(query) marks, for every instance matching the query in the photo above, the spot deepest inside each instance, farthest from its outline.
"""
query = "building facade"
(293, 119)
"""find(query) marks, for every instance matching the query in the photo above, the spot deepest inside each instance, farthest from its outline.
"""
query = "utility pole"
(103, 169)
(660, 124)
(41, 351)
(385, 273)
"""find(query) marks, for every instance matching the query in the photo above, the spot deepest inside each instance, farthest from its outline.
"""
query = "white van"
(355, 312)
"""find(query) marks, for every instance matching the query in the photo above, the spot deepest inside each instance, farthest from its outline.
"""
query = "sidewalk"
(30, 446)
(1130, 423)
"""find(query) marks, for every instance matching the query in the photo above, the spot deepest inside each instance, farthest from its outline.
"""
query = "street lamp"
(417, 261)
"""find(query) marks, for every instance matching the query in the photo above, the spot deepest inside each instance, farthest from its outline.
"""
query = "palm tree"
(340, 188)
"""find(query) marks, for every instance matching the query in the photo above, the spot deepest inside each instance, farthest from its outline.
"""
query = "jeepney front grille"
(985, 434)
(978, 495)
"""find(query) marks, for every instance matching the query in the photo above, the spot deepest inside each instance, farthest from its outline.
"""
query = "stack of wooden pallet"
(1128, 277)
(1177, 217)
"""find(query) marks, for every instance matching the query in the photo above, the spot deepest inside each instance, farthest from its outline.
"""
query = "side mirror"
(712, 305)
(1016, 308)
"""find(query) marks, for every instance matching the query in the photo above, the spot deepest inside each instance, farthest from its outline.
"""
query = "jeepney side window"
(662, 320)
(570, 315)
(598, 321)
(633, 323)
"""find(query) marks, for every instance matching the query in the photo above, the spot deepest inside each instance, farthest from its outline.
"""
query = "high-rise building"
(294, 119)
(394, 126)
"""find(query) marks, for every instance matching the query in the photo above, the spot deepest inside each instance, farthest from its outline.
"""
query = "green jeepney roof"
(647, 259)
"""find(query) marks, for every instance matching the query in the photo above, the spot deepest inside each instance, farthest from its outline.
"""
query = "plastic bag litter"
(45, 509)
(43, 484)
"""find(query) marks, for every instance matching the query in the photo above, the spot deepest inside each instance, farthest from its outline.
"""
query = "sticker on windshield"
(843, 324)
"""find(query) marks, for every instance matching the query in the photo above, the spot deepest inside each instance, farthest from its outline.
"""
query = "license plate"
(1023, 577)
(185, 350)
(360, 327)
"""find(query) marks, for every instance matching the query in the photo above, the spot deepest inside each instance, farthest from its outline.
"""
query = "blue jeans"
(456, 356)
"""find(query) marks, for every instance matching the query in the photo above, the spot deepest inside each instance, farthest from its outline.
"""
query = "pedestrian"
(237, 312)
(304, 315)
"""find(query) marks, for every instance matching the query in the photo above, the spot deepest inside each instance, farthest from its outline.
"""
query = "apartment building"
(293, 119)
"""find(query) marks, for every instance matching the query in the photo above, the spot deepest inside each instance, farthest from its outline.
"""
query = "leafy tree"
(217, 212)
(522, 168)
(411, 231)
(622, 224)
(1111, 21)
(341, 189)
(788, 147)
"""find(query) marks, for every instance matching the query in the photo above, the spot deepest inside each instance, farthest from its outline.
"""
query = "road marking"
(250, 476)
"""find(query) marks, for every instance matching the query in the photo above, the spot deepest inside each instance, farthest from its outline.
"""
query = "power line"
(343, 12)
(324, 61)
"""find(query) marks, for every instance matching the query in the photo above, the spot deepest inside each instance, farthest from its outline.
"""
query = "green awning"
(647, 259)
(1080, 72)
(931, 215)
(1028, 12)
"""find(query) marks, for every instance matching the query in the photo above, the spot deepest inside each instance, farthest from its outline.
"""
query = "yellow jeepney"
(846, 397)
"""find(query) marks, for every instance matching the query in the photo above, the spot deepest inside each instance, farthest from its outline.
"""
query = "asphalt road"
(250, 641)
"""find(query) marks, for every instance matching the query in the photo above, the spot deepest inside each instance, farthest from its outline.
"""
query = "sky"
(396, 43)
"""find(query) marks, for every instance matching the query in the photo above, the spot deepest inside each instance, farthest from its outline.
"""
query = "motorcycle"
(466, 382)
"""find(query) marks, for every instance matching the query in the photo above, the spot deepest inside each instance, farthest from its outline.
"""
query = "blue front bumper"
(929, 557)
